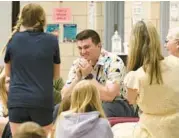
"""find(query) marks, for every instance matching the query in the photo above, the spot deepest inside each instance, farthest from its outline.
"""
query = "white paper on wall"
(137, 12)
(5, 27)
(91, 14)
(174, 11)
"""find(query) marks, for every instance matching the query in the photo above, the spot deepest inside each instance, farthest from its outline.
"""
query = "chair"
(116, 120)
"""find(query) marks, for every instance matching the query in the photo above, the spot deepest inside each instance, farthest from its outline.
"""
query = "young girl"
(32, 60)
(86, 118)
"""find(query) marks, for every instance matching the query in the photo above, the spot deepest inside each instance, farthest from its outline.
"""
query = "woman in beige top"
(153, 82)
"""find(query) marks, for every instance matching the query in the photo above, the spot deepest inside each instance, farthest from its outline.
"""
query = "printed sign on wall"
(137, 11)
(53, 29)
(174, 11)
(91, 14)
(70, 31)
(62, 15)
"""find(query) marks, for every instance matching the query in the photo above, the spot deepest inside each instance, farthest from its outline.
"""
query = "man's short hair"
(88, 33)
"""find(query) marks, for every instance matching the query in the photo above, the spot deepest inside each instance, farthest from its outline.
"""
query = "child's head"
(31, 17)
(30, 130)
(85, 98)
(172, 41)
(145, 50)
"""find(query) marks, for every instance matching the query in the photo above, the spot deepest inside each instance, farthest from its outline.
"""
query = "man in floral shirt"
(106, 71)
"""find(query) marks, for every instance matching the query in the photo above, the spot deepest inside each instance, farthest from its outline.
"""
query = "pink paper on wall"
(61, 15)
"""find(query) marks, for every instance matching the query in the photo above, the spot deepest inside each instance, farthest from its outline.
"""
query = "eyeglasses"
(166, 41)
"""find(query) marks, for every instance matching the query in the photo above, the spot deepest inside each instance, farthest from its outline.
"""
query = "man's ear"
(178, 47)
(99, 45)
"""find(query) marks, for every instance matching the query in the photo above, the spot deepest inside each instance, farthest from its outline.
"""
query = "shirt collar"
(102, 58)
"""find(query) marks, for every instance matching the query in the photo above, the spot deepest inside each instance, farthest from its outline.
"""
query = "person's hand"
(85, 67)
(78, 74)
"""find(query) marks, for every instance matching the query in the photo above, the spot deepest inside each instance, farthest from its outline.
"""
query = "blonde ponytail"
(15, 29)
(32, 16)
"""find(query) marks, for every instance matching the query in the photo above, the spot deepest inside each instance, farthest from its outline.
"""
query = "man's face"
(88, 50)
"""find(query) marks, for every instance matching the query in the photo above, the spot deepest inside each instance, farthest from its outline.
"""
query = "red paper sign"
(62, 15)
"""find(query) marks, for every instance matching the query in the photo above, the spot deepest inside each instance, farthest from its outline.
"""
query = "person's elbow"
(56, 76)
(111, 91)
(131, 96)
(109, 96)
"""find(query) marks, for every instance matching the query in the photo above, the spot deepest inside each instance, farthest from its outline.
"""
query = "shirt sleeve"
(56, 56)
(7, 56)
(131, 81)
(116, 71)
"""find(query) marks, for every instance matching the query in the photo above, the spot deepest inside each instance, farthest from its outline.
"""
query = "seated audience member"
(152, 83)
(5, 131)
(172, 42)
(86, 118)
(30, 130)
(106, 70)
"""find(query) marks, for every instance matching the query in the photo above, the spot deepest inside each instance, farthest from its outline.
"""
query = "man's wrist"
(89, 77)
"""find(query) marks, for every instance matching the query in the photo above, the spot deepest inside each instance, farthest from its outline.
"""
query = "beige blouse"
(159, 103)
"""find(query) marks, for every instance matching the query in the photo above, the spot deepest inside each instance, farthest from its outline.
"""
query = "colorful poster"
(62, 15)
(70, 31)
(53, 29)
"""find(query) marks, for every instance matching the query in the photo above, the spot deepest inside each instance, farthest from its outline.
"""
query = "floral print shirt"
(109, 69)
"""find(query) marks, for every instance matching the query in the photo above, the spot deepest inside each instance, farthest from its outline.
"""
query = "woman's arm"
(132, 95)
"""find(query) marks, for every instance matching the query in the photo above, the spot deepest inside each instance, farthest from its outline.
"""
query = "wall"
(5, 27)
(80, 17)
(174, 23)
(149, 14)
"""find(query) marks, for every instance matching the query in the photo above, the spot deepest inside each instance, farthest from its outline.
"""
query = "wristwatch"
(89, 77)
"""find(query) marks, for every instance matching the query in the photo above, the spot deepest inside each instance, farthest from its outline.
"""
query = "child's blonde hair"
(145, 51)
(65, 104)
(85, 98)
(3, 95)
(33, 16)
(30, 130)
